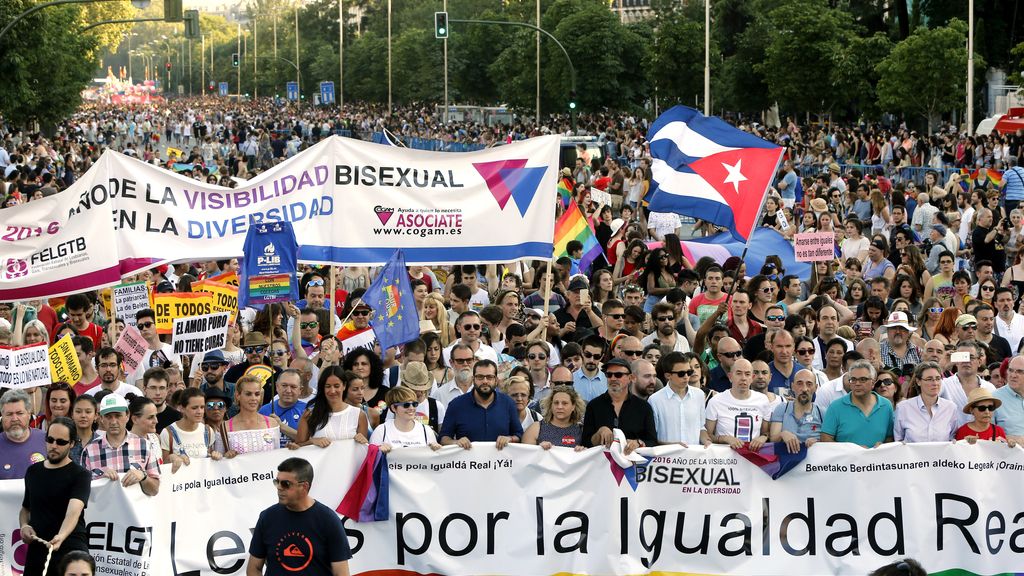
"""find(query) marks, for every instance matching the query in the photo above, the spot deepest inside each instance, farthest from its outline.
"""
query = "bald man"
(729, 351)
(798, 423)
(739, 416)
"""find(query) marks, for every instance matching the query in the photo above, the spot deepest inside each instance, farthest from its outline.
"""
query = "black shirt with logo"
(306, 542)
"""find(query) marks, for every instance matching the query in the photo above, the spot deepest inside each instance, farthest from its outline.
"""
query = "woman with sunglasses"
(762, 293)
(982, 405)
(562, 422)
(278, 354)
(987, 291)
(404, 430)
(929, 318)
(330, 417)
(888, 387)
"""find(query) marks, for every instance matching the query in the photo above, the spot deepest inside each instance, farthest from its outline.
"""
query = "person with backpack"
(416, 377)
(404, 430)
(189, 437)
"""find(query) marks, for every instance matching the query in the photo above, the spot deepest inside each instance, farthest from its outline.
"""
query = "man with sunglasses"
(589, 380)
(298, 534)
(255, 346)
(678, 407)
(728, 352)
(56, 493)
(158, 353)
(617, 408)
(470, 328)
(665, 335)
(213, 368)
(108, 366)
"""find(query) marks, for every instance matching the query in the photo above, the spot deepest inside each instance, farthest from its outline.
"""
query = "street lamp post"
(970, 67)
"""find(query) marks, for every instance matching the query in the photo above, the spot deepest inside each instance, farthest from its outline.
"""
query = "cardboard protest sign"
(225, 296)
(814, 246)
(132, 347)
(129, 299)
(24, 367)
(198, 334)
(172, 305)
(64, 366)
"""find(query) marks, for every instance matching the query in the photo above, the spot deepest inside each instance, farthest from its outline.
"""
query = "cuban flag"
(705, 168)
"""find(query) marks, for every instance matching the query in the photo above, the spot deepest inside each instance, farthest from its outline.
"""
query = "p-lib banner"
(351, 203)
(844, 510)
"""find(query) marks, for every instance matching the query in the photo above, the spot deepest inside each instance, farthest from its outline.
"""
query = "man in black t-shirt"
(56, 493)
(298, 534)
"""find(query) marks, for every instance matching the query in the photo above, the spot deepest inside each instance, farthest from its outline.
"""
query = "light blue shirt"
(1010, 415)
(914, 423)
(847, 423)
(804, 428)
(678, 418)
(587, 387)
(1013, 185)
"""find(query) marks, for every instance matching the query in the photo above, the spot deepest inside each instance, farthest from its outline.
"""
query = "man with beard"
(120, 456)
(762, 377)
(618, 409)
(485, 415)
(645, 379)
(108, 366)
(664, 317)
(20, 446)
(798, 423)
(589, 381)
(56, 492)
(213, 368)
(462, 360)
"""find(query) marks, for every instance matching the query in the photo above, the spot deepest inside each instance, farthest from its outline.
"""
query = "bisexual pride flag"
(705, 168)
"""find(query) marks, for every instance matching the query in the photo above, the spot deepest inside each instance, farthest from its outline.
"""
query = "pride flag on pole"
(574, 226)
(565, 191)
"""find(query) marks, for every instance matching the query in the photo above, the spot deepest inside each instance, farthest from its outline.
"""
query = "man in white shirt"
(739, 415)
(469, 327)
(462, 360)
(158, 353)
(679, 414)
(1009, 324)
(108, 366)
(960, 385)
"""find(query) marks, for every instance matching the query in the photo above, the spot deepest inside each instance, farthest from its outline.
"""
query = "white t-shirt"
(663, 223)
(193, 443)
(123, 390)
(479, 299)
(420, 435)
(154, 358)
(739, 418)
(423, 412)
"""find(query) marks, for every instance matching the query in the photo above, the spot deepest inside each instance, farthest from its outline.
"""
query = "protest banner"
(24, 367)
(953, 507)
(107, 299)
(600, 197)
(132, 347)
(64, 366)
(198, 334)
(814, 246)
(124, 216)
(129, 299)
(225, 296)
(171, 305)
(364, 339)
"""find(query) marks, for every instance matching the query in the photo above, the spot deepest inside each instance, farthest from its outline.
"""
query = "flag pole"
(332, 298)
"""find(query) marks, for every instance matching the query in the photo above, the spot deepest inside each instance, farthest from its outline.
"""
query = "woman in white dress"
(330, 417)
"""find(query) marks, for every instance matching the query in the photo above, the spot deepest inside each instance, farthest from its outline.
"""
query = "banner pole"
(547, 291)
(332, 297)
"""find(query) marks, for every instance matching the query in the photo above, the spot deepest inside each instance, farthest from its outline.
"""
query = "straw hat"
(980, 395)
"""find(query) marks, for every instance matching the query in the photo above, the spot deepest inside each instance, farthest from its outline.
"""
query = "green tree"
(43, 66)
(853, 72)
(675, 62)
(912, 83)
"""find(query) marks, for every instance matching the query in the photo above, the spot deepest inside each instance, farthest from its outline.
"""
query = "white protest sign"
(814, 246)
(25, 367)
(600, 197)
(132, 347)
(198, 334)
(129, 299)
(364, 339)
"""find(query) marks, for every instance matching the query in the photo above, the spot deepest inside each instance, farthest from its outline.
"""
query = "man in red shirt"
(79, 310)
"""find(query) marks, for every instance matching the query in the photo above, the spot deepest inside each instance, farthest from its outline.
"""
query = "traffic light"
(191, 18)
(172, 10)
(168, 66)
(234, 59)
(572, 100)
(440, 24)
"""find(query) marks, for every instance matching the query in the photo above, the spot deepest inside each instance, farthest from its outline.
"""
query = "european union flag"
(394, 318)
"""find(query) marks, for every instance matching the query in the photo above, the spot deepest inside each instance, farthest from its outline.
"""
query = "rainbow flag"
(572, 225)
(995, 177)
(565, 191)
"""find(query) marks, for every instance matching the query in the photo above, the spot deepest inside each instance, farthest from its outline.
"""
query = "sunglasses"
(988, 288)
(775, 318)
(971, 326)
(936, 310)
(537, 356)
(278, 352)
(616, 374)
(666, 318)
(805, 351)
(305, 325)
(885, 382)
(286, 484)
(592, 356)
(363, 312)
(254, 349)
(616, 316)
(561, 383)
(633, 353)
(735, 354)
(215, 405)
(681, 373)
(767, 290)
(463, 360)
(470, 326)
(316, 282)
(985, 408)
(144, 325)
(207, 366)
(398, 405)
(57, 441)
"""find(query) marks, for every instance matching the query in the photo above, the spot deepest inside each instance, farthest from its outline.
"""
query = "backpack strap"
(432, 413)
(393, 377)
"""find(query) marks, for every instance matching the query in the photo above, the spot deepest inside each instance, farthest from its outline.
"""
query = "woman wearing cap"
(562, 423)
(403, 429)
(249, 431)
(982, 405)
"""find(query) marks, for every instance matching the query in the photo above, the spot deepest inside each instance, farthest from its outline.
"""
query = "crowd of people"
(910, 334)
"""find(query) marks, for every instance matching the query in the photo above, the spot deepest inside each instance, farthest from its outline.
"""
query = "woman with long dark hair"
(657, 279)
(330, 418)
(368, 366)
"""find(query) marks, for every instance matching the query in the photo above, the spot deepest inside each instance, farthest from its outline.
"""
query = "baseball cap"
(112, 403)
(578, 283)
(619, 362)
(966, 319)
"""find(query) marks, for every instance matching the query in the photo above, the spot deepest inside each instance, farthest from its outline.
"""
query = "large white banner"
(352, 203)
(844, 510)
